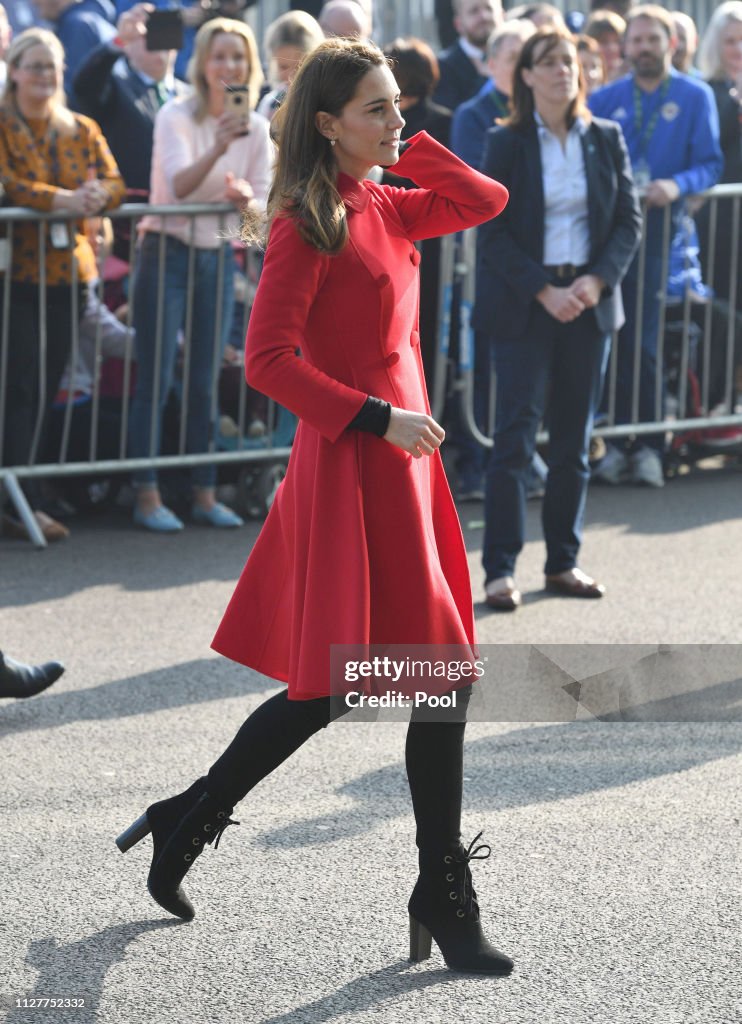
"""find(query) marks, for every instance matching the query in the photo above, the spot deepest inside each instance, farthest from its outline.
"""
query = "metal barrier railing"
(273, 444)
(692, 359)
(457, 264)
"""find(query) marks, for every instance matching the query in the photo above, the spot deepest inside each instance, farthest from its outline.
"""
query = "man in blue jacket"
(671, 127)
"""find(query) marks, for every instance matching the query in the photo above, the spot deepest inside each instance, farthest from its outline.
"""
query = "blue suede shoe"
(161, 520)
(218, 515)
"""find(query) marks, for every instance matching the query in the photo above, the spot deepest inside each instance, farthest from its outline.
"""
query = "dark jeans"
(566, 363)
(27, 396)
(434, 756)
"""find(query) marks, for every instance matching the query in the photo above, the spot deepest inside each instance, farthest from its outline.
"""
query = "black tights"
(434, 755)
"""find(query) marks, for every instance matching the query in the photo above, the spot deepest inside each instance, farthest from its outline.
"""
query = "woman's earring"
(333, 141)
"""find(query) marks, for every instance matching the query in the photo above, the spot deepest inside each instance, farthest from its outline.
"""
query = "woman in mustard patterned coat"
(50, 159)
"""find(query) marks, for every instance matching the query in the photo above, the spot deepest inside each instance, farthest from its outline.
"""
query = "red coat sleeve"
(452, 196)
(292, 275)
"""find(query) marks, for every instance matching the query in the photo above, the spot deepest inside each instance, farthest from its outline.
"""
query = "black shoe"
(444, 907)
(180, 827)
(18, 680)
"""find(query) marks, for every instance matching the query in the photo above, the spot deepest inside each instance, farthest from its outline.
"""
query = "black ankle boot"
(444, 907)
(19, 680)
(180, 827)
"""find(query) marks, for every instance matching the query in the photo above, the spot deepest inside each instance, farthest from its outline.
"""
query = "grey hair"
(709, 53)
(516, 29)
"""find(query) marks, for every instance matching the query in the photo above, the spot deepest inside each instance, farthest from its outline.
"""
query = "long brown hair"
(305, 176)
(522, 103)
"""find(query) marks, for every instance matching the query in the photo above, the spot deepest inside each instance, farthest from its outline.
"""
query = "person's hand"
(661, 192)
(122, 313)
(414, 432)
(228, 128)
(238, 191)
(588, 289)
(561, 303)
(195, 15)
(95, 195)
(132, 25)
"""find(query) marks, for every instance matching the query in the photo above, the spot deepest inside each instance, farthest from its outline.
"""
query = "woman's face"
(554, 76)
(612, 50)
(37, 76)
(368, 129)
(286, 60)
(731, 50)
(226, 62)
(592, 70)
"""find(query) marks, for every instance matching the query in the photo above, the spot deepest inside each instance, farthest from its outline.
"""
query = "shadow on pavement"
(525, 767)
(78, 970)
(193, 682)
(371, 990)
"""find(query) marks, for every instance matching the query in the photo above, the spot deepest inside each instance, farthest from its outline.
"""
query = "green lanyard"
(647, 131)
(500, 107)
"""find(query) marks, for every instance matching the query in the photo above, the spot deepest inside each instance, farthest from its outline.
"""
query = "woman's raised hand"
(414, 432)
(228, 128)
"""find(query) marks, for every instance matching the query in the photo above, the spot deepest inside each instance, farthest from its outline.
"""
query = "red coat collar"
(353, 193)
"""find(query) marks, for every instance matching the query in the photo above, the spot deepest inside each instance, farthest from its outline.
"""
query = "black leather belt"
(563, 270)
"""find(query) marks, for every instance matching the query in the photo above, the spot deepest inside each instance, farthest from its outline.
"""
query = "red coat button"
(414, 257)
(392, 359)
(414, 339)
(383, 280)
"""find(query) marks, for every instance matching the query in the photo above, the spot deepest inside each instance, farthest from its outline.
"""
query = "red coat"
(362, 543)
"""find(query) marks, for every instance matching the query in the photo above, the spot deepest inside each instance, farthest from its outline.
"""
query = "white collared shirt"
(566, 225)
(472, 52)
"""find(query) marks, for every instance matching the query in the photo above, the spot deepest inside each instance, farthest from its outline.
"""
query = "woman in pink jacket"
(362, 545)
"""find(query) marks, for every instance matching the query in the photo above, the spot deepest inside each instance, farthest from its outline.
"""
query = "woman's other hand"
(414, 432)
(588, 289)
(561, 303)
(237, 191)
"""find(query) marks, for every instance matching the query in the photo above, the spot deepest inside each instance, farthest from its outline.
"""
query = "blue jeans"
(205, 348)
(566, 363)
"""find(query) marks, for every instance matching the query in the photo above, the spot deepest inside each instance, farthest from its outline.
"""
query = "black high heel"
(180, 828)
(444, 907)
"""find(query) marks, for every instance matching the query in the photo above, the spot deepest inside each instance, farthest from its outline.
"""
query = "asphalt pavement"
(614, 876)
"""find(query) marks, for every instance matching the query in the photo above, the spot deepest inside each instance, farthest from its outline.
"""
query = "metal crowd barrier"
(270, 450)
(458, 259)
(267, 454)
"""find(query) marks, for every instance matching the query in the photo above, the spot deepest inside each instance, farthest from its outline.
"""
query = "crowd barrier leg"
(18, 499)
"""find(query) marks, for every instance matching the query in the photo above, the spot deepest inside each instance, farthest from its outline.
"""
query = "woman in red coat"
(362, 544)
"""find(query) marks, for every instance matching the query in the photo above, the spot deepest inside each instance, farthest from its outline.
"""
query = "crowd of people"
(93, 113)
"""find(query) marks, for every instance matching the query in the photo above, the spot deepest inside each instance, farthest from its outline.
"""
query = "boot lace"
(466, 896)
(221, 828)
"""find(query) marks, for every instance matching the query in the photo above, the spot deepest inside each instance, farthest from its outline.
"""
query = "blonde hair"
(61, 116)
(709, 53)
(294, 28)
(201, 48)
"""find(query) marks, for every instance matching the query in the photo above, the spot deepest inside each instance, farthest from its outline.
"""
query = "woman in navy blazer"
(548, 276)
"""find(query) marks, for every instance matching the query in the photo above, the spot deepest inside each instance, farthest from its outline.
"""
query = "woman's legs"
(434, 757)
(266, 739)
(578, 372)
(154, 369)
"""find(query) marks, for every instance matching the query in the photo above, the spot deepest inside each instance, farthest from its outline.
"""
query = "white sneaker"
(646, 468)
(613, 468)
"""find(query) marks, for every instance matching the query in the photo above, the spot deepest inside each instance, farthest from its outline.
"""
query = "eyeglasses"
(39, 69)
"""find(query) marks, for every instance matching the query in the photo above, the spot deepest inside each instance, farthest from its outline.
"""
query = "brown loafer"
(578, 585)
(502, 599)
